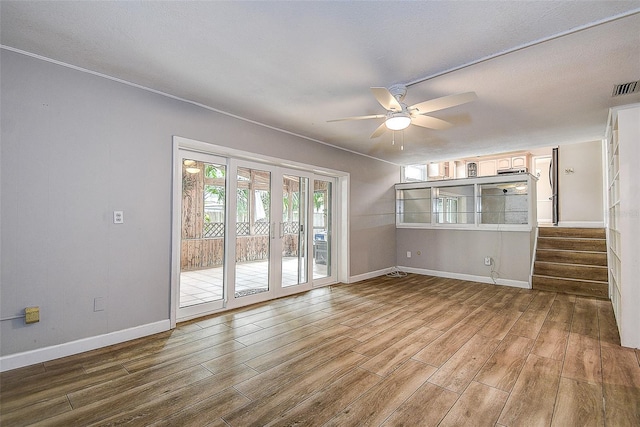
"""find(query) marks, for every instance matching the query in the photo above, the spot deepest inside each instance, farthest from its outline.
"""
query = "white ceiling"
(544, 71)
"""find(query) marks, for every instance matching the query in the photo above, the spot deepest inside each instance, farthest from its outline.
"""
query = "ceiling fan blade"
(374, 116)
(444, 102)
(384, 97)
(379, 131)
(430, 122)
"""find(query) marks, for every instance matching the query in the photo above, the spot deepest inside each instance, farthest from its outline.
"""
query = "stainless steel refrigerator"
(553, 181)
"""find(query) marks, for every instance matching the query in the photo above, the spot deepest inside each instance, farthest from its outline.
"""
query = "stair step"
(571, 244)
(585, 233)
(572, 260)
(572, 257)
(568, 286)
(571, 271)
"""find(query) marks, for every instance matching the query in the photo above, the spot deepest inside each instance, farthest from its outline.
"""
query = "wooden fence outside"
(197, 254)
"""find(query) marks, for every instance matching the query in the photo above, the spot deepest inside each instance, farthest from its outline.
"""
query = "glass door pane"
(322, 228)
(202, 234)
(253, 229)
(293, 230)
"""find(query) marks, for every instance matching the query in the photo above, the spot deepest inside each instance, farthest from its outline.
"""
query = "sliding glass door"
(293, 231)
(253, 229)
(202, 233)
(271, 240)
(248, 232)
(324, 245)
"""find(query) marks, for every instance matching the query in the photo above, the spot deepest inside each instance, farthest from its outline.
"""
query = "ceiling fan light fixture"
(398, 121)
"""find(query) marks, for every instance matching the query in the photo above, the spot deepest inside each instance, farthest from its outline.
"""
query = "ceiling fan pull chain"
(393, 138)
(402, 143)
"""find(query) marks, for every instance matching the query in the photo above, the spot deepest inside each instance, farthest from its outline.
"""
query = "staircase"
(572, 261)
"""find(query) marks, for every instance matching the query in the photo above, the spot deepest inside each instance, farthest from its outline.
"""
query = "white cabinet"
(519, 162)
(476, 167)
(516, 162)
(503, 163)
(487, 168)
(623, 203)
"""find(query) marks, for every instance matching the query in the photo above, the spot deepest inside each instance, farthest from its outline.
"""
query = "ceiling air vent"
(626, 88)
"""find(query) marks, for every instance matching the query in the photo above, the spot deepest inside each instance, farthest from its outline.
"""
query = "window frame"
(477, 184)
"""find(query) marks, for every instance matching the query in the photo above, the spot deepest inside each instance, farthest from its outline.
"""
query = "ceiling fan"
(399, 116)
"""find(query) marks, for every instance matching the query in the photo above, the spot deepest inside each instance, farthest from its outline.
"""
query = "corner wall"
(580, 185)
(76, 147)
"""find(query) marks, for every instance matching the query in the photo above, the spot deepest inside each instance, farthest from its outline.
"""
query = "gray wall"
(581, 191)
(76, 147)
(463, 251)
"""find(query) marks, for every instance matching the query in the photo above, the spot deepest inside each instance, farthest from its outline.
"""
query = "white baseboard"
(581, 224)
(370, 275)
(469, 277)
(19, 360)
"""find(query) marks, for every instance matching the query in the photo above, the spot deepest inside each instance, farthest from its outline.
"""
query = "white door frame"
(277, 197)
(333, 249)
(234, 156)
(180, 154)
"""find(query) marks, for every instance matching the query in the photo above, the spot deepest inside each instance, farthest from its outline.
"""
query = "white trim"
(470, 227)
(533, 258)
(233, 158)
(18, 360)
(343, 201)
(370, 275)
(228, 152)
(581, 224)
(339, 230)
(470, 277)
(176, 201)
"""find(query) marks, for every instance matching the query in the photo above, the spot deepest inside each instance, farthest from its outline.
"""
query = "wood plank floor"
(412, 351)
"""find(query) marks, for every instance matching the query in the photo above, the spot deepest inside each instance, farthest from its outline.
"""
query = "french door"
(323, 222)
(249, 232)
(272, 237)
(200, 204)
(293, 233)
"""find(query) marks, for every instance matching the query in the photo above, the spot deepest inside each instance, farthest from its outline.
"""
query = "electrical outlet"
(408, 254)
(487, 260)
(32, 315)
(118, 217)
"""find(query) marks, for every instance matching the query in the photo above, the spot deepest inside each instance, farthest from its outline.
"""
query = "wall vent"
(626, 88)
